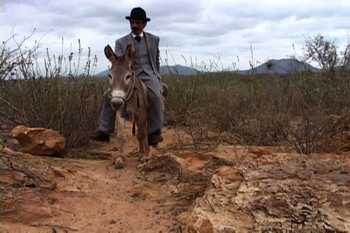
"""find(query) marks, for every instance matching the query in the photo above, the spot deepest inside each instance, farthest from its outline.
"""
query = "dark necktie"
(138, 38)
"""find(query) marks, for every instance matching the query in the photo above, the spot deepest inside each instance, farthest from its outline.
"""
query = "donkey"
(129, 92)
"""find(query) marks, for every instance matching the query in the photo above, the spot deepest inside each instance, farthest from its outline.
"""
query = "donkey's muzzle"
(116, 103)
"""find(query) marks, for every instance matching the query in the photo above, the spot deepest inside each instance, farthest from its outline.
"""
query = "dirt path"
(230, 188)
(92, 196)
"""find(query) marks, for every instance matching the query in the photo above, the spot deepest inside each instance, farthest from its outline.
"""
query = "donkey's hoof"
(119, 163)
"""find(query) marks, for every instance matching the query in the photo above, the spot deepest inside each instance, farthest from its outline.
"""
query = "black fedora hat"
(138, 13)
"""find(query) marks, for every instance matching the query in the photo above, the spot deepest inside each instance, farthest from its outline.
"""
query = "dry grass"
(67, 105)
(54, 91)
(305, 111)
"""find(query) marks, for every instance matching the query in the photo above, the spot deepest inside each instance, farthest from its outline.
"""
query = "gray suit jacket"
(153, 48)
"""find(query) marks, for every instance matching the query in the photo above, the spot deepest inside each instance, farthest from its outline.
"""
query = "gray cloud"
(202, 29)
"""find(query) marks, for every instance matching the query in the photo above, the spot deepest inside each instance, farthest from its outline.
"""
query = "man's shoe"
(101, 137)
(154, 139)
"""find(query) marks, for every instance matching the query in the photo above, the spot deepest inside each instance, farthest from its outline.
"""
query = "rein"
(131, 89)
(130, 94)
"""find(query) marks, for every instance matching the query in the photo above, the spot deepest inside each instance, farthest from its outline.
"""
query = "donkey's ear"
(130, 52)
(110, 54)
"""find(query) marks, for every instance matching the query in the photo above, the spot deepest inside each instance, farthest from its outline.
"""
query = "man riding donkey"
(146, 67)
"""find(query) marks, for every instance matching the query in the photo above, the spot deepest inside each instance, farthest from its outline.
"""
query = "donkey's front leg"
(142, 136)
(143, 146)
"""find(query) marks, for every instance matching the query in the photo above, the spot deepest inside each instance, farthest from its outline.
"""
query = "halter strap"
(131, 89)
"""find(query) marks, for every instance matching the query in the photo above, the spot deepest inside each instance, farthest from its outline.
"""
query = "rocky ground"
(226, 189)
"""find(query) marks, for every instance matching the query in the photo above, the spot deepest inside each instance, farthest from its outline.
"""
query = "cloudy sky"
(222, 32)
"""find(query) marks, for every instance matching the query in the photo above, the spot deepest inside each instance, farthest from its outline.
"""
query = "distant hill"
(178, 69)
(165, 70)
(281, 67)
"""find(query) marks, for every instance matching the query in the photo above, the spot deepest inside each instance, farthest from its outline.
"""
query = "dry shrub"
(69, 106)
(262, 110)
(54, 91)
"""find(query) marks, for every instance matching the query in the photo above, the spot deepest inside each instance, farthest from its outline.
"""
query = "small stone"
(114, 149)
(119, 163)
(112, 222)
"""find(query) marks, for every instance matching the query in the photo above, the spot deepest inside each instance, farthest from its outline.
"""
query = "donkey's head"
(122, 76)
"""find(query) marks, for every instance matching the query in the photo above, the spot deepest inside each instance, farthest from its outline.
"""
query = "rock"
(303, 194)
(38, 141)
(119, 163)
(259, 151)
(214, 212)
(202, 226)
(28, 182)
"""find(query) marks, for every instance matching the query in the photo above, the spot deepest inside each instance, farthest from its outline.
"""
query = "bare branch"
(322, 51)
